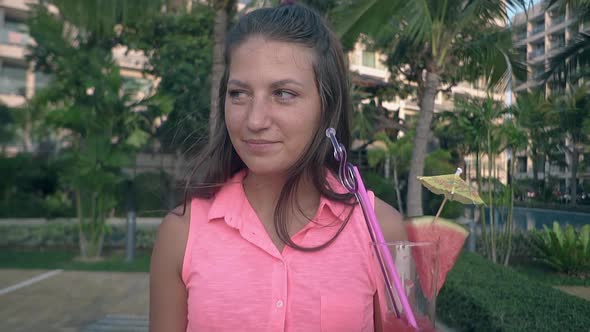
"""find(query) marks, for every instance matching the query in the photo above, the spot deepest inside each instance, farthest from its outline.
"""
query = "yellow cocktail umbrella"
(452, 187)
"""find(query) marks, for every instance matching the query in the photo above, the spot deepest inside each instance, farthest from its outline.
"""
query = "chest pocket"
(339, 313)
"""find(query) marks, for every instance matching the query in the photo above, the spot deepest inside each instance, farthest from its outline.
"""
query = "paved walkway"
(74, 301)
(579, 291)
(68, 301)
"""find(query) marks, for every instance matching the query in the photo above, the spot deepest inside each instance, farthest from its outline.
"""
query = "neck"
(263, 193)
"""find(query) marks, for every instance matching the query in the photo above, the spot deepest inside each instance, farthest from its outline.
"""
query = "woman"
(279, 244)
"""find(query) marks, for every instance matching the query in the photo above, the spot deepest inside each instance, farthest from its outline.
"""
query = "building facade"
(538, 35)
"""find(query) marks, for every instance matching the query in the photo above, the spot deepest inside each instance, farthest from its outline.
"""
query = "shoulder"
(390, 220)
(172, 236)
(177, 220)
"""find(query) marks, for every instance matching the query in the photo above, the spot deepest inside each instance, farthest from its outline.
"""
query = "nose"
(259, 114)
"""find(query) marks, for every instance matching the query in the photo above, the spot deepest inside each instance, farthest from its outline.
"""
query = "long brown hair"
(218, 162)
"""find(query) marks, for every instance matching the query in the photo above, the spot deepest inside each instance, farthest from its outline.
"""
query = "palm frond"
(573, 60)
(490, 57)
(355, 17)
(420, 21)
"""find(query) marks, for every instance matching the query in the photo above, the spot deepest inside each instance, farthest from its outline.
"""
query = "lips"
(260, 145)
(259, 141)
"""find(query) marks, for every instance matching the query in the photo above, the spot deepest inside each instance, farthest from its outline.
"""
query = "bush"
(451, 210)
(565, 250)
(382, 188)
(154, 195)
(522, 250)
(481, 296)
(32, 189)
(64, 234)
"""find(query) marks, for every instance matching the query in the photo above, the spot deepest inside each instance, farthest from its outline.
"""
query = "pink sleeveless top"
(237, 280)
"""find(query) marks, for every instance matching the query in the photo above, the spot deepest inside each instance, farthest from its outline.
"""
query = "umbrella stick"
(439, 210)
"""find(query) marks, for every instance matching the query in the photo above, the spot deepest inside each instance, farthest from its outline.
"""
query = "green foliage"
(32, 189)
(353, 18)
(153, 195)
(481, 296)
(381, 187)
(179, 49)
(522, 249)
(99, 17)
(6, 124)
(102, 122)
(564, 249)
(64, 234)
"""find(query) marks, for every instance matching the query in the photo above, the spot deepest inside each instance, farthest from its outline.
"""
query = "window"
(538, 26)
(12, 79)
(521, 164)
(537, 72)
(369, 59)
(14, 32)
(557, 41)
(41, 80)
(520, 33)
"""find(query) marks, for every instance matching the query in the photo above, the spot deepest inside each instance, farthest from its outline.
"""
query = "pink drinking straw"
(352, 181)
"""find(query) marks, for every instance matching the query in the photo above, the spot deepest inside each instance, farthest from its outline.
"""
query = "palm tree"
(486, 115)
(535, 115)
(515, 139)
(444, 41)
(572, 62)
(574, 120)
(395, 153)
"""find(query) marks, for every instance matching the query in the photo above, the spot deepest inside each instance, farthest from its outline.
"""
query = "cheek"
(231, 119)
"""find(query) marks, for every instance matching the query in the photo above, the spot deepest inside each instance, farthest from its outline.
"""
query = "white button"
(280, 304)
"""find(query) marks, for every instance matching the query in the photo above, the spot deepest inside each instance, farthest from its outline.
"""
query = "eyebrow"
(273, 85)
(285, 82)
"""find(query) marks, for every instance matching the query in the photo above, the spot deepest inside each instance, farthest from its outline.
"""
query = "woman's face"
(272, 106)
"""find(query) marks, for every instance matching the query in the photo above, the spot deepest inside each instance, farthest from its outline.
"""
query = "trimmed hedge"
(65, 235)
(481, 296)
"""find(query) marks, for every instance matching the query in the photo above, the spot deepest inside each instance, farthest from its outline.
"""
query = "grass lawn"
(66, 260)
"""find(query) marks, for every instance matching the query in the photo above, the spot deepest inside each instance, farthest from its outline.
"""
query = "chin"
(266, 167)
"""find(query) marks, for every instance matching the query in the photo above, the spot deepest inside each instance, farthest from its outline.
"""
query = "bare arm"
(391, 222)
(168, 295)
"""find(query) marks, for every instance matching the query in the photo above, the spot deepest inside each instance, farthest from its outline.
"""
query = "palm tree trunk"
(482, 210)
(490, 193)
(535, 156)
(219, 34)
(509, 222)
(396, 184)
(414, 196)
(574, 174)
(547, 175)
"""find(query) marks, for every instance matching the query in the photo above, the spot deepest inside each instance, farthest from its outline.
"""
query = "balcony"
(129, 59)
(558, 44)
(557, 19)
(536, 53)
(10, 37)
(537, 29)
(20, 5)
(11, 86)
(16, 9)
